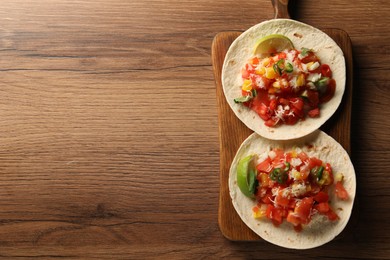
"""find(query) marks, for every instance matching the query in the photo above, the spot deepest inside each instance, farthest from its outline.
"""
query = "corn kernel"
(276, 84)
(325, 180)
(294, 154)
(272, 91)
(265, 61)
(247, 85)
(296, 174)
(339, 177)
(260, 71)
(258, 212)
(270, 73)
(312, 66)
(300, 80)
(284, 82)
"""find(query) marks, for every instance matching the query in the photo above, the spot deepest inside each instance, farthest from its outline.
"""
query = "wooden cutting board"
(232, 132)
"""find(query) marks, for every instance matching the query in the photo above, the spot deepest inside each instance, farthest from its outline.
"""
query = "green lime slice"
(271, 44)
(246, 175)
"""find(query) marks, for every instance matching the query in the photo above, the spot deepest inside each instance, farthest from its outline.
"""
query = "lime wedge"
(271, 44)
(246, 176)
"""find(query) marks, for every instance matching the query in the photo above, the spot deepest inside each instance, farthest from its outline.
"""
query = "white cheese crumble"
(271, 155)
(296, 162)
(314, 66)
(304, 67)
(297, 150)
(311, 86)
(313, 77)
(260, 82)
(294, 174)
(293, 82)
(279, 112)
(298, 189)
(286, 192)
(262, 157)
(275, 191)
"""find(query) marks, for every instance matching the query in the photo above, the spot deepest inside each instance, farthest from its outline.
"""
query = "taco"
(290, 93)
(293, 193)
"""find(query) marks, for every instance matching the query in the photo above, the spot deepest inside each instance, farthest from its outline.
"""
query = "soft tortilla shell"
(320, 230)
(302, 35)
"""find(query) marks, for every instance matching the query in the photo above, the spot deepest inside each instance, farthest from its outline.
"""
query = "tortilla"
(301, 35)
(320, 230)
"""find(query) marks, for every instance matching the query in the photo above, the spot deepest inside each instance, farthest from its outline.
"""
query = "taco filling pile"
(290, 186)
(286, 86)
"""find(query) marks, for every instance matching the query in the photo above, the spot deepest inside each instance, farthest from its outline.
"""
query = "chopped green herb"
(289, 67)
(279, 66)
(278, 175)
(317, 172)
(322, 84)
(305, 52)
(243, 99)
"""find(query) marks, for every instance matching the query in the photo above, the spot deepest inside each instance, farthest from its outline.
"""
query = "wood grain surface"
(109, 143)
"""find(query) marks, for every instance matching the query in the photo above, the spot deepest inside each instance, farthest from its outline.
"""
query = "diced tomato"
(304, 171)
(288, 157)
(300, 114)
(341, 193)
(245, 74)
(282, 201)
(282, 55)
(291, 119)
(273, 104)
(255, 61)
(330, 90)
(323, 207)
(269, 210)
(303, 209)
(249, 69)
(297, 103)
(270, 122)
(292, 204)
(321, 197)
(313, 98)
(303, 156)
(293, 218)
(267, 199)
(265, 166)
(315, 188)
(332, 215)
(328, 168)
(311, 57)
(277, 218)
(284, 101)
(314, 161)
(276, 214)
(314, 113)
(262, 110)
(298, 228)
(263, 178)
(325, 71)
(279, 158)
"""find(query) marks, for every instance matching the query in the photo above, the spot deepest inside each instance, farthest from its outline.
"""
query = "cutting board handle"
(281, 9)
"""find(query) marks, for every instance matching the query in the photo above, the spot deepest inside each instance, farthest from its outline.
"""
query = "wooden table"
(109, 129)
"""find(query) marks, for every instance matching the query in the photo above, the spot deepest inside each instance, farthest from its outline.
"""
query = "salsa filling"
(286, 87)
(293, 186)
